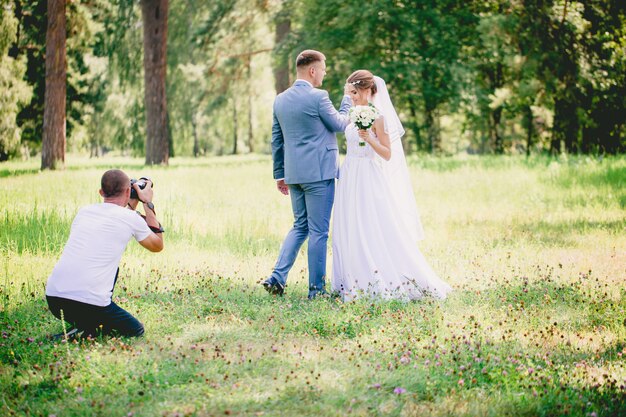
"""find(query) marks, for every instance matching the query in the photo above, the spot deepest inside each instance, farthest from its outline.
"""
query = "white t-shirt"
(92, 254)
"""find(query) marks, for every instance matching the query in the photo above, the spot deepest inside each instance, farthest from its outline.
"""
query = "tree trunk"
(170, 137)
(496, 135)
(497, 81)
(154, 14)
(529, 121)
(53, 146)
(566, 126)
(571, 127)
(234, 127)
(434, 134)
(557, 132)
(281, 57)
(415, 127)
(196, 142)
(250, 131)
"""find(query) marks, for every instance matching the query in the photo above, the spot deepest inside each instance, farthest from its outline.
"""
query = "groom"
(305, 155)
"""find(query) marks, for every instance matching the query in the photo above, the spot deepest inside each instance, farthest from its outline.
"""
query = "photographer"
(80, 287)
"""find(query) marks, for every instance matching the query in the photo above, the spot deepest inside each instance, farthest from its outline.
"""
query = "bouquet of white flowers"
(363, 117)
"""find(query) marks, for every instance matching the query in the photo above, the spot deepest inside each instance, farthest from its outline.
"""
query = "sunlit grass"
(535, 249)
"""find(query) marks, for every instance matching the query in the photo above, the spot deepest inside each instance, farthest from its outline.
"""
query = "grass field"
(535, 249)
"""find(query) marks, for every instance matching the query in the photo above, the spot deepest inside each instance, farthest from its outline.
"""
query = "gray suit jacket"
(304, 145)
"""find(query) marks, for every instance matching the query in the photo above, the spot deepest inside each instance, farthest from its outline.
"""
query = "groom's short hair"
(306, 58)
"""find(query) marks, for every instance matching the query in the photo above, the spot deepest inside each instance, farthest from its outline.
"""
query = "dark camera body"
(141, 183)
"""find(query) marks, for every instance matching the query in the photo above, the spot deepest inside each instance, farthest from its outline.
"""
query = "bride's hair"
(363, 80)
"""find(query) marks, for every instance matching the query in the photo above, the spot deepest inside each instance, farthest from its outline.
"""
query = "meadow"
(534, 248)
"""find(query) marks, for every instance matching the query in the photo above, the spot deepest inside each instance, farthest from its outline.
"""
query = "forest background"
(488, 76)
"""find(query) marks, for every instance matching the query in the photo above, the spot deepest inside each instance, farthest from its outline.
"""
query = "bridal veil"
(395, 170)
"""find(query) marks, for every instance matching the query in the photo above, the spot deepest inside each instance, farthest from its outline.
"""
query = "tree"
(282, 32)
(217, 83)
(16, 91)
(53, 142)
(492, 55)
(82, 87)
(604, 119)
(550, 33)
(154, 13)
(414, 46)
(30, 45)
(119, 122)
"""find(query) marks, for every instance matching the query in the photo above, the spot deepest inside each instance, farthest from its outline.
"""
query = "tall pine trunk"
(414, 125)
(250, 131)
(495, 130)
(528, 122)
(235, 123)
(281, 56)
(434, 131)
(196, 140)
(53, 143)
(566, 125)
(154, 14)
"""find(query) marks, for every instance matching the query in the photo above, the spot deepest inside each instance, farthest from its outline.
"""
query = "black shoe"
(274, 288)
(71, 335)
(313, 294)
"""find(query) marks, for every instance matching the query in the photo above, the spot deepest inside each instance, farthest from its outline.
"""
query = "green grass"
(535, 249)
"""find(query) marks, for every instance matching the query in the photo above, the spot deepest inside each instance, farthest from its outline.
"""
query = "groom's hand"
(282, 187)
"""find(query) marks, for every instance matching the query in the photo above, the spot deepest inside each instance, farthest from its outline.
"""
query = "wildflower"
(399, 390)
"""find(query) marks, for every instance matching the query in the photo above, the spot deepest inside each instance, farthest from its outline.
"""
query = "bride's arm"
(383, 146)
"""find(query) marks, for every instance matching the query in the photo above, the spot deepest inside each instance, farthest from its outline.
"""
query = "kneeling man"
(80, 287)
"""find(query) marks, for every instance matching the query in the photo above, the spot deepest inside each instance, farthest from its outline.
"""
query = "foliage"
(15, 91)
(29, 45)
(496, 67)
(220, 64)
(415, 47)
(119, 122)
(479, 76)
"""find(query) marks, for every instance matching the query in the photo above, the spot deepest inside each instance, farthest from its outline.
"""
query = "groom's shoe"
(274, 288)
(313, 294)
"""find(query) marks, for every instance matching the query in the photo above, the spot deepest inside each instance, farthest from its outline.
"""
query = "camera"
(141, 183)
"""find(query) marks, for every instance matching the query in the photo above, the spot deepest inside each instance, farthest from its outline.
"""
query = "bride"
(376, 223)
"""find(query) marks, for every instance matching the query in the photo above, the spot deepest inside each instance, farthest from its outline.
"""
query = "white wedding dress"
(374, 252)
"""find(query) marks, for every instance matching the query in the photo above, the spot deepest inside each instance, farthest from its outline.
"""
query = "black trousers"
(95, 320)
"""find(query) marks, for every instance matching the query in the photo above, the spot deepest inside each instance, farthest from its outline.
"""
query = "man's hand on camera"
(145, 195)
